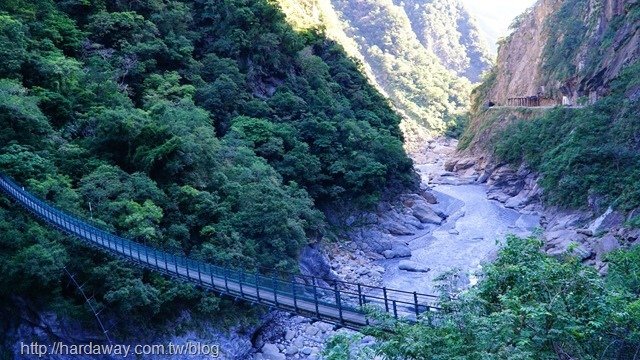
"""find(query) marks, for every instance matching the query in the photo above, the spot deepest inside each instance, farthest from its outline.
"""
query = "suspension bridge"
(341, 303)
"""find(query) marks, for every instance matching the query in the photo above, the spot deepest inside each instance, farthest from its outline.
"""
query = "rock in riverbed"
(412, 266)
(397, 251)
(426, 214)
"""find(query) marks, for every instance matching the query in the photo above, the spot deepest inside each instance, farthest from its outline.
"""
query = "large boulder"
(561, 219)
(426, 214)
(412, 266)
(411, 220)
(395, 223)
(562, 241)
(464, 163)
(485, 175)
(605, 245)
(609, 220)
(396, 228)
(497, 195)
(271, 352)
(450, 164)
(429, 197)
(397, 251)
(313, 262)
(630, 235)
(372, 240)
(506, 179)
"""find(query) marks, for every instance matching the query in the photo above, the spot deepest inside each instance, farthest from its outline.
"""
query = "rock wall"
(520, 55)
(608, 40)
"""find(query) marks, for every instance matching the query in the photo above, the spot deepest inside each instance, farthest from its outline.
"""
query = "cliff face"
(574, 52)
(519, 57)
(567, 48)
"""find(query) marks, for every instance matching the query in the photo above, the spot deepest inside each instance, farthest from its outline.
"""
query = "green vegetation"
(527, 305)
(413, 77)
(634, 222)
(567, 32)
(447, 29)
(207, 128)
(583, 152)
(415, 51)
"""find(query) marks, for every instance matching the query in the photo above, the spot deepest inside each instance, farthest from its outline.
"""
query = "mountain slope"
(580, 52)
(568, 48)
(449, 31)
(207, 128)
(407, 58)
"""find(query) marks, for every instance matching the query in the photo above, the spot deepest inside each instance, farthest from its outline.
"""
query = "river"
(469, 237)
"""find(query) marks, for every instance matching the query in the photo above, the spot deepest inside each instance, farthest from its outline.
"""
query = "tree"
(13, 46)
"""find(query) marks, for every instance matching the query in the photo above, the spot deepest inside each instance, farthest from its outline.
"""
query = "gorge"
(335, 139)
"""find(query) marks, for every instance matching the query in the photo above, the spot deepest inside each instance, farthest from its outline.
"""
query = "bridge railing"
(329, 300)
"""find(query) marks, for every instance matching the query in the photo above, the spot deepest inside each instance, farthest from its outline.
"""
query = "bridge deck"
(343, 303)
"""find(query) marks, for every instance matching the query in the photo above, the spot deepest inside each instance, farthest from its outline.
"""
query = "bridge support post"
(386, 302)
(199, 273)
(364, 301)
(257, 286)
(360, 295)
(186, 264)
(338, 302)
(175, 262)
(275, 289)
(415, 302)
(226, 279)
(241, 277)
(293, 289)
(315, 297)
(395, 310)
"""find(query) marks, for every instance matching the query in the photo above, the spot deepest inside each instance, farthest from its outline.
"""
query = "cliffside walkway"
(336, 302)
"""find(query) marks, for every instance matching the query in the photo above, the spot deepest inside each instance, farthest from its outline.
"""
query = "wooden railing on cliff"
(531, 101)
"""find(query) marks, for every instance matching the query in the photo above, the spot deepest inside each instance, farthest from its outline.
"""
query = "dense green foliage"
(583, 152)
(447, 29)
(527, 305)
(208, 128)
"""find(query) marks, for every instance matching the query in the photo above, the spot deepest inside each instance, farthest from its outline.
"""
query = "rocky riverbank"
(26, 326)
(589, 233)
